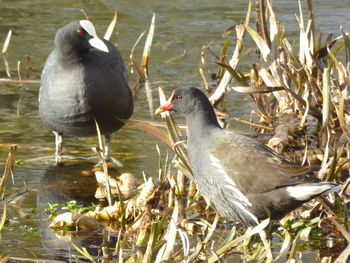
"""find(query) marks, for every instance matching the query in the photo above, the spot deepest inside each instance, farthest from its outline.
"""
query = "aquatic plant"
(302, 107)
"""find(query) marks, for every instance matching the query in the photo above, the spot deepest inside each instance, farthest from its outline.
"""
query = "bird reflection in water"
(59, 185)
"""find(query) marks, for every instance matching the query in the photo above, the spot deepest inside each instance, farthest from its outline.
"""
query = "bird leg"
(107, 150)
(58, 147)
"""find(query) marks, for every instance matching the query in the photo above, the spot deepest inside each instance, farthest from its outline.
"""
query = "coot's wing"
(50, 64)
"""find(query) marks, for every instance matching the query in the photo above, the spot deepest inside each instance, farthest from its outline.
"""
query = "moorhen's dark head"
(186, 101)
(78, 36)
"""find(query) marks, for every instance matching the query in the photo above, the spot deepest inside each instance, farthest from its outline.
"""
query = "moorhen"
(244, 179)
(83, 81)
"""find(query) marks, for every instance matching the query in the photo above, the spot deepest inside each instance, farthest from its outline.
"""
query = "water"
(180, 25)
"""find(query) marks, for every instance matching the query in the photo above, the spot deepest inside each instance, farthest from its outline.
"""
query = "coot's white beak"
(95, 41)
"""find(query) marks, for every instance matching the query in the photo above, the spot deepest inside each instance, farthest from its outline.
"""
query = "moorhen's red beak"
(168, 105)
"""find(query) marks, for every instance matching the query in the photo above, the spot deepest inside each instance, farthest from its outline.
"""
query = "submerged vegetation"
(301, 92)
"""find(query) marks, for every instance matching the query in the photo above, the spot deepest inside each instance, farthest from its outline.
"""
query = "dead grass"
(302, 94)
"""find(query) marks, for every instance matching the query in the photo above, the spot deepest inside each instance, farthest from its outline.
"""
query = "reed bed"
(301, 94)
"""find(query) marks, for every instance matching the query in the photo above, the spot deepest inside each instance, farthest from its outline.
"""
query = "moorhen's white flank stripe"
(307, 191)
(232, 186)
(239, 205)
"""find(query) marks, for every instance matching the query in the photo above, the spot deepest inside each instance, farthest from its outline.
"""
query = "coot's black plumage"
(245, 180)
(83, 80)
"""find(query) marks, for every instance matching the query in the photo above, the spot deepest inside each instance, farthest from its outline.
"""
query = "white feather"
(239, 205)
(233, 187)
(307, 191)
(230, 183)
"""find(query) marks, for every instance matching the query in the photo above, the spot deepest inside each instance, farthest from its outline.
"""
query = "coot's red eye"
(179, 97)
(80, 32)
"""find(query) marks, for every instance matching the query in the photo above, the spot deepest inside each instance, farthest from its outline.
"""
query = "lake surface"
(180, 26)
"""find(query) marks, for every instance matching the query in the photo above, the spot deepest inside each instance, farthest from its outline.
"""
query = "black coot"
(245, 180)
(83, 80)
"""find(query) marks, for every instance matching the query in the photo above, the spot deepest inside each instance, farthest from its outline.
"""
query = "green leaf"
(304, 234)
(239, 77)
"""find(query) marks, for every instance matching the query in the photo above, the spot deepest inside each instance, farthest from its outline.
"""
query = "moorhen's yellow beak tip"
(167, 105)
(159, 110)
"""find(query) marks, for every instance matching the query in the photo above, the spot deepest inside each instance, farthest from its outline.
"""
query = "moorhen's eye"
(179, 97)
(80, 32)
